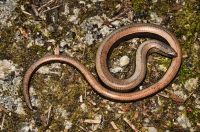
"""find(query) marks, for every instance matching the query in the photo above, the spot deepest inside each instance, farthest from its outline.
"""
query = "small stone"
(84, 107)
(20, 109)
(146, 122)
(181, 94)
(183, 121)
(184, 37)
(116, 23)
(189, 65)
(196, 46)
(181, 107)
(191, 84)
(154, 17)
(67, 125)
(124, 61)
(39, 41)
(89, 39)
(105, 30)
(116, 69)
(151, 129)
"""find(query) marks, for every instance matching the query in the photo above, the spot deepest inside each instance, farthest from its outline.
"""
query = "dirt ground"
(62, 98)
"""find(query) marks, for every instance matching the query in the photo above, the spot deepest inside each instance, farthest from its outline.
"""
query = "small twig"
(2, 123)
(91, 101)
(121, 14)
(175, 98)
(34, 10)
(188, 96)
(23, 32)
(83, 128)
(131, 125)
(45, 5)
(4, 109)
(84, 50)
(51, 8)
(163, 95)
(120, 112)
(27, 13)
(57, 50)
(92, 121)
(113, 125)
(49, 113)
(81, 98)
(85, 91)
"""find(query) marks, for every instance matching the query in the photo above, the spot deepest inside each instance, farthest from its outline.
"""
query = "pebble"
(151, 129)
(83, 107)
(189, 65)
(39, 41)
(89, 39)
(181, 94)
(67, 125)
(116, 69)
(95, 126)
(146, 122)
(191, 84)
(184, 38)
(20, 109)
(61, 112)
(116, 23)
(124, 60)
(184, 121)
(196, 46)
(155, 18)
(105, 30)
(63, 43)
(181, 108)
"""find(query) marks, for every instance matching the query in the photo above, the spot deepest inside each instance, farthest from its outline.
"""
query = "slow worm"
(121, 90)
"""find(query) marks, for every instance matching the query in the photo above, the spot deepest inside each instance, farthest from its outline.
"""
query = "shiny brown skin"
(130, 31)
(129, 84)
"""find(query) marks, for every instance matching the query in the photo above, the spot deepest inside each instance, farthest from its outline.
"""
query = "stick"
(4, 109)
(131, 125)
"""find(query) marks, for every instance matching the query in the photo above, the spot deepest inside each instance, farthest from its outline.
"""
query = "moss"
(138, 5)
(66, 94)
(186, 23)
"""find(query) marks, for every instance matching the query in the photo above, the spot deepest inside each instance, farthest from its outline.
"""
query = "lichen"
(61, 92)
